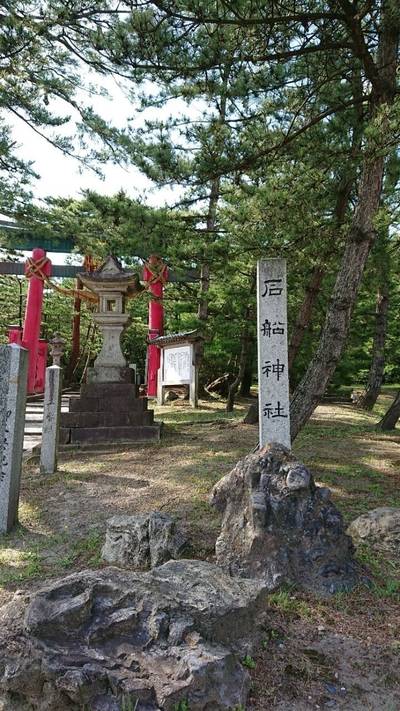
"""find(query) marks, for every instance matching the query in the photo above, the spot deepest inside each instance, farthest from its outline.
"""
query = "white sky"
(64, 176)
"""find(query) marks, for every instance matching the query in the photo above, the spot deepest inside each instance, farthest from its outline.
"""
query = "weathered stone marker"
(51, 420)
(273, 376)
(13, 385)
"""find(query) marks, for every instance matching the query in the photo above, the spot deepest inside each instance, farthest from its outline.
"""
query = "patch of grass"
(385, 570)
(209, 411)
(85, 550)
(182, 706)
(17, 566)
(288, 603)
(29, 514)
(389, 590)
(128, 704)
(248, 662)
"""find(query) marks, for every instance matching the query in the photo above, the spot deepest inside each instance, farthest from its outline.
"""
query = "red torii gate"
(38, 269)
(155, 273)
(29, 336)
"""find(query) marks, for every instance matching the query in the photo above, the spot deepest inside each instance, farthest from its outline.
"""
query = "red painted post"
(33, 310)
(41, 364)
(15, 334)
(156, 274)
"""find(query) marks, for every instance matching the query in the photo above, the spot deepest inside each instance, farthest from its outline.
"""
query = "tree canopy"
(279, 123)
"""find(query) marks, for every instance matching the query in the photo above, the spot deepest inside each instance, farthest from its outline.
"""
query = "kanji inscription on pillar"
(273, 376)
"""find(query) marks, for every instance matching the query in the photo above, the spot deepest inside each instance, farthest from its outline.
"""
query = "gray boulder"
(111, 639)
(142, 541)
(379, 527)
(279, 526)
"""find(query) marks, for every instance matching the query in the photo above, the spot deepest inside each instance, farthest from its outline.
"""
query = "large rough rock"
(142, 541)
(379, 527)
(112, 639)
(280, 527)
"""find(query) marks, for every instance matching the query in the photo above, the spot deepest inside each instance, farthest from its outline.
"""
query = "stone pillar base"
(109, 374)
(108, 413)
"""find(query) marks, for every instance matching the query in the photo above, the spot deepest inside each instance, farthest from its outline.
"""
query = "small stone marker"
(13, 385)
(51, 419)
(273, 376)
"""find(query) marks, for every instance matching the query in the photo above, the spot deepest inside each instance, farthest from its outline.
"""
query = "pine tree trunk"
(362, 230)
(375, 378)
(76, 327)
(233, 388)
(333, 338)
(305, 313)
(344, 190)
(247, 380)
(211, 223)
(391, 417)
(247, 339)
(202, 311)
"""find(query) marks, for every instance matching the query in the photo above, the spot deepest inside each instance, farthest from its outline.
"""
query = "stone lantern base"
(109, 374)
(108, 413)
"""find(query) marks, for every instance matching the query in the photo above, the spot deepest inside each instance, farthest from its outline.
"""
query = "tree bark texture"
(392, 416)
(251, 361)
(304, 316)
(375, 377)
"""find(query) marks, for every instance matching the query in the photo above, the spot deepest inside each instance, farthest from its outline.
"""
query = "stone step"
(107, 390)
(87, 435)
(125, 403)
(106, 419)
(33, 417)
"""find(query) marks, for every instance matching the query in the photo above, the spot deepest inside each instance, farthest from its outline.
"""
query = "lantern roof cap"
(111, 275)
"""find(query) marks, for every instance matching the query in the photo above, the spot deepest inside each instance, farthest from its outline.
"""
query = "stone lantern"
(108, 409)
(57, 346)
(112, 284)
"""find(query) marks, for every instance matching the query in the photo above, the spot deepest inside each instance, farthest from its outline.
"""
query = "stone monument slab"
(13, 387)
(273, 372)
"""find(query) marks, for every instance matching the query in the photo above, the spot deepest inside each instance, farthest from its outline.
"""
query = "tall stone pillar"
(13, 385)
(51, 419)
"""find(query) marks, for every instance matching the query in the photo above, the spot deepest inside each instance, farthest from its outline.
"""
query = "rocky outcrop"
(112, 639)
(279, 526)
(142, 541)
(380, 528)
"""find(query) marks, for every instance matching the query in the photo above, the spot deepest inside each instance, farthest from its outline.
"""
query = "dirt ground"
(343, 653)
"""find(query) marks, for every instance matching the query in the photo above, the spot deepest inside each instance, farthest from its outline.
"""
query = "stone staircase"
(34, 420)
(107, 413)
